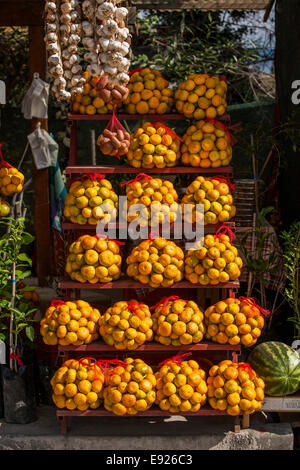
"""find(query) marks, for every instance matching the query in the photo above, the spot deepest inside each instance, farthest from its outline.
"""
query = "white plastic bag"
(44, 148)
(35, 102)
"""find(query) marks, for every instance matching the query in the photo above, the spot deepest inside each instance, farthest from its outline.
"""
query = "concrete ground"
(133, 433)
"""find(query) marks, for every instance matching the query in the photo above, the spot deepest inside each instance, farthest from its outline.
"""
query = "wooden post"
(42, 223)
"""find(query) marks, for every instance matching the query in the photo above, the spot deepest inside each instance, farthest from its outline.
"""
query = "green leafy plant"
(291, 255)
(260, 263)
(11, 244)
(14, 266)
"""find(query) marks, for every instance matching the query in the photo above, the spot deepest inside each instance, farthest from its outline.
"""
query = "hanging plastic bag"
(40, 142)
(114, 140)
(35, 102)
(11, 179)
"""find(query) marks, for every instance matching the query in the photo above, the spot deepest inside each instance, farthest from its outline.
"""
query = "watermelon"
(278, 365)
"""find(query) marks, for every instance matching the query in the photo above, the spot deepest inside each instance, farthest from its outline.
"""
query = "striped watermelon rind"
(278, 365)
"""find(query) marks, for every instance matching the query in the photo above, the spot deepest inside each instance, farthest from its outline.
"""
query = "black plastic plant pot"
(19, 395)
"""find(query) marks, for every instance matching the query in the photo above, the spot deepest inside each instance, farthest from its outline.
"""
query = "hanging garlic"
(121, 13)
(88, 43)
(105, 11)
(66, 7)
(91, 57)
(87, 28)
(74, 59)
(94, 70)
(76, 69)
(50, 17)
(51, 27)
(51, 6)
(53, 59)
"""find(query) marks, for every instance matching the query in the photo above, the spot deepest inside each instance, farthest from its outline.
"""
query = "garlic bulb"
(88, 43)
(87, 28)
(94, 70)
(91, 57)
(105, 11)
(121, 13)
(51, 27)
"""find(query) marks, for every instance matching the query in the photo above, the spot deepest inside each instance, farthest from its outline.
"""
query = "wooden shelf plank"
(226, 170)
(100, 346)
(154, 411)
(132, 284)
(121, 225)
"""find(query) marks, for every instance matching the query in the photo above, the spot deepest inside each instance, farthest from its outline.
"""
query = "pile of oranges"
(78, 385)
(130, 388)
(11, 181)
(200, 96)
(235, 388)
(94, 260)
(215, 197)
(69, 322)
(233, 321)
(181, 386)
(206, 144)
(216, 262)
(178, 322)
(157, 199)
(158, 263)
(91, 201)
(149, 93)
(126, 325)
(153, 146)
(89, 101)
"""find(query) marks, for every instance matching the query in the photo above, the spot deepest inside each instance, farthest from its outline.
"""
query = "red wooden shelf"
(228, 170)
(154, 411)
(118, 225)
(100, 346)
(131, 117)
(132, 284)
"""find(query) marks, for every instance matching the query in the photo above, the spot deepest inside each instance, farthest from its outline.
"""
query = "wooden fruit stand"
(68, 286)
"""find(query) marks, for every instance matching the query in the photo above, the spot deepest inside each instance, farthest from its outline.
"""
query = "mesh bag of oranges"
(181, 385)
(67, 323)
(206, 144)
(91, 199)
(201, 95)
(213, 196)
(177, 321)
(126, 325)
(130, 387)
(89, 101)
(154, 146)
(150, 201)
(235, 321)
(78, 385)
(94, 259)
(157, 262)
(216, 262)
(11, 180)
(149, 93)
(234, 388)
